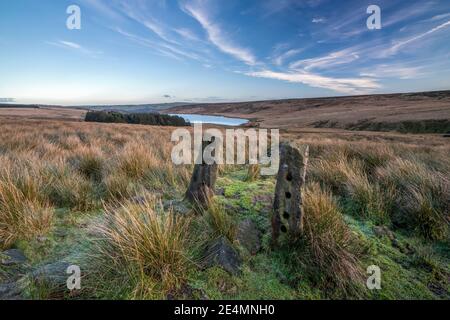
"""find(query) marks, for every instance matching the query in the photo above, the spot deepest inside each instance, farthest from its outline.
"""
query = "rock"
(383, 231)
(287, 217)
(249, 236)
(10, 291)
(12, 257)
(203, 180)
(221, 253)
(52, 275)
(177, 206)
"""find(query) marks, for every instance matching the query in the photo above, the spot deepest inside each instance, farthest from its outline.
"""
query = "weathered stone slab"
(221, 253)
(202, 186)
(288, 207)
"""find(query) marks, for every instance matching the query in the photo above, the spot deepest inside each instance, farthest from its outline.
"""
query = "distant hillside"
(140, 108)
(404, 112)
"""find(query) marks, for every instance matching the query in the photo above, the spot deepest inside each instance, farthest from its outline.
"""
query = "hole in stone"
(283, 229)
(288, 195)
(286, 215)
(289, 177)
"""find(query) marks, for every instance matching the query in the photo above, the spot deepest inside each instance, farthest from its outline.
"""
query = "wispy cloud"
(163, 48)
(392, 71)
(140, 14)
(281, 58)
(318, 20)
(400, 44)
(332, 59)
(215, 34)
(440, 17)
(342, 85)
(149, 44)
(104, 8)
(187, 34)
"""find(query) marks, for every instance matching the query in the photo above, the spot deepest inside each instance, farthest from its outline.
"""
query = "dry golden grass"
(22, 214)
(389, 179)
(143, 238)
(74, 165)
(330, 244)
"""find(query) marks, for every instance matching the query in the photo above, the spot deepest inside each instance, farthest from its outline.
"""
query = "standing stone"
(252, 173)
(288, 207)
(202, 185)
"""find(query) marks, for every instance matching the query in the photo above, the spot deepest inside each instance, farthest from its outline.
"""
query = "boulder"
(52, 275)
(248, 236)
(10, 291)
(177, 206)
(221, 253)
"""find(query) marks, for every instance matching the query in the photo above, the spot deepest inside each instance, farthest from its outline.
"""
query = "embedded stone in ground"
(53, 276)
(221, 253)
(12, 257)
(249, 236)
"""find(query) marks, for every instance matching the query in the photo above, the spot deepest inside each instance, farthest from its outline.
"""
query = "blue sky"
(148, 51)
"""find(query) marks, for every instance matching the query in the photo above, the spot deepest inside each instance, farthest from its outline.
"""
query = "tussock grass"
(68, 189)
(331, 249)
(22, 216)
(368, 200)
(118, 187)
(90, 163)
(135, 160)
(423, 197)
(144, 251)
(218, 220)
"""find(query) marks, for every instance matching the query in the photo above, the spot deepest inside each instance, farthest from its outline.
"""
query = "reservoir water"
(219, 120)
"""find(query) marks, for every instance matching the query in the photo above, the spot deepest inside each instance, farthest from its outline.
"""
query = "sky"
(161, 51)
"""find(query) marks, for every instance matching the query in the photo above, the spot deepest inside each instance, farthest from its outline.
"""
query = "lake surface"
(200, 118)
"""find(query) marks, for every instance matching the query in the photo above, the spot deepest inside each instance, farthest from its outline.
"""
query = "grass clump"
(135, 160)
(422, 203)
(328, 250)
(89, 163)
(21, 217)
(147, 242)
